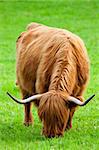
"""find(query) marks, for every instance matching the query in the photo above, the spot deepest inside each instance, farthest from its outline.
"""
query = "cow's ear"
(71, 105)
(37, 102)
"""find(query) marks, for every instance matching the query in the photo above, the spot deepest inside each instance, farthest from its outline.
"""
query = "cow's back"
(31, 46)
(36, 57)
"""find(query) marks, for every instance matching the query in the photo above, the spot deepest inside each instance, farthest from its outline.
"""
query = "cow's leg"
(69, 124)
(78, 93)
(28, 119)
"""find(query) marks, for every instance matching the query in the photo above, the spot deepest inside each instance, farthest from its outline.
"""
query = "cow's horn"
(27, 100)
(78, 102)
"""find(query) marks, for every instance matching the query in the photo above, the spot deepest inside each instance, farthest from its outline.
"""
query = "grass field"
(78, 16)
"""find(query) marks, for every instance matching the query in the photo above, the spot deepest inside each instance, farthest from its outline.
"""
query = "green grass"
(78, 16)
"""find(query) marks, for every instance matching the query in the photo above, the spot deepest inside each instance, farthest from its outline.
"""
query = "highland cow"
(52, 71)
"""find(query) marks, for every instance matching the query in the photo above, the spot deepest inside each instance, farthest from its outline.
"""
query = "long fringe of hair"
(54, 113)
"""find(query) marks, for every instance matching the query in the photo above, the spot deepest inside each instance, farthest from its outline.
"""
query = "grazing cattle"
(52, 71)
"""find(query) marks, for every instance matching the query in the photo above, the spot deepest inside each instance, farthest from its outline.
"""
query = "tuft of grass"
(80, 17)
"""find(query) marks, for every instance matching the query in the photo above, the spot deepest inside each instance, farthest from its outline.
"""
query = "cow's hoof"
(68, 127)
(28, 123)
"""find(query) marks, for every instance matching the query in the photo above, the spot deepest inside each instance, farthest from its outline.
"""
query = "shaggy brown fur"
(54, 61)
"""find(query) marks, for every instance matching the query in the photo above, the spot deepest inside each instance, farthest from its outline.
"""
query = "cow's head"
(55, 111)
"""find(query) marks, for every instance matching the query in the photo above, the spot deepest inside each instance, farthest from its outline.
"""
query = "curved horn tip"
(8, 94)
(78, 102)
(84, 103)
